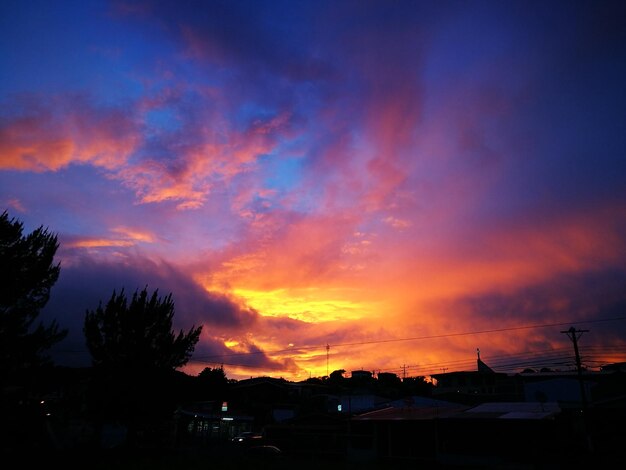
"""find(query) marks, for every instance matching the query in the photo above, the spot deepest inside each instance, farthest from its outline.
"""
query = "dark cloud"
(84, 284)
(585, 297)
(297, 339)
(248, 355)
(250, 34)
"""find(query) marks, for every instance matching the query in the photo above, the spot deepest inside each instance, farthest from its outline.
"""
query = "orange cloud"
(98, 243)
(127, 237)
(18, 153)
(135, 234)
(393, 285)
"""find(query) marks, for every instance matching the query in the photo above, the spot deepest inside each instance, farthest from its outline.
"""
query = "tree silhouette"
(135, 353)
(336, 376)
(212, 384)
(27, 274)
(139, 335)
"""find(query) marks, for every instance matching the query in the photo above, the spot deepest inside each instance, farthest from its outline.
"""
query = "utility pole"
(403, 372)
(574, 335)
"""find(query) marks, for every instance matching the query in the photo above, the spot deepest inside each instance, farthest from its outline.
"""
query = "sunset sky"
(397, 180)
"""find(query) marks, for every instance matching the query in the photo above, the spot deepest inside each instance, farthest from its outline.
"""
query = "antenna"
(327, 350)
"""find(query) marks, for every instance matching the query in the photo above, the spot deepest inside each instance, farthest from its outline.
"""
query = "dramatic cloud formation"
(328, 184)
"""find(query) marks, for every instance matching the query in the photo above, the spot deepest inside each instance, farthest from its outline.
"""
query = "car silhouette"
(248, 438)
(262, 456)
(265, 451)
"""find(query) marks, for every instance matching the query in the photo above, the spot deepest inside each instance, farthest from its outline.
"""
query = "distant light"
(42, 402)
(227, 419)
(338, 407)
(225, 406)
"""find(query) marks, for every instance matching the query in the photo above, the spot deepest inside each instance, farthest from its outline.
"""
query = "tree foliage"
(212, 384)
(213, 376)
(134, 352)
(138, 335)
(27, 274)
(337, 375)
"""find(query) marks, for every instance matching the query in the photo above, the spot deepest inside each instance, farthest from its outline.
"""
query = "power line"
(394, 340)
(416, 338)
(467, 333)
(433, 366)
(529, 359)
(540, 358)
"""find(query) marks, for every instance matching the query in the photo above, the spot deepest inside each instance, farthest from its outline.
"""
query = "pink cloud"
(14, 204)
(70, 130)
(201, 150)
(66, 131)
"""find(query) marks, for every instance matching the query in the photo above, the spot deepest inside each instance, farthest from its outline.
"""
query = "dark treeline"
(135, 354)
(133, 384)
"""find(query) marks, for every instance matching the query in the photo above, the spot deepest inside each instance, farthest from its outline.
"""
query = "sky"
(325, 185)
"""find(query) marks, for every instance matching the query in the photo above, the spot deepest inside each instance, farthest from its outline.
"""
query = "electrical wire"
(415, 338)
